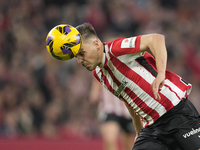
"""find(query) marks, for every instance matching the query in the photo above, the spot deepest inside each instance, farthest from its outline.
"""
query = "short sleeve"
(123, 46)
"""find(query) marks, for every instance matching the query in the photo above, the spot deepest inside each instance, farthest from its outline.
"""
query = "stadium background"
(43, 101)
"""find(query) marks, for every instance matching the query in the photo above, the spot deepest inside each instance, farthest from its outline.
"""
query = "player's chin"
(90, 68)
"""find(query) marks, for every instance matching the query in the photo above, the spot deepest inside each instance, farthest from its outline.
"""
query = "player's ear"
(96, 43)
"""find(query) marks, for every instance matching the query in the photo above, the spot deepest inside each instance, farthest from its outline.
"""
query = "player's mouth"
(85, 65)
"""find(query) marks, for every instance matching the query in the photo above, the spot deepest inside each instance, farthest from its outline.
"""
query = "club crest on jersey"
(110, 65)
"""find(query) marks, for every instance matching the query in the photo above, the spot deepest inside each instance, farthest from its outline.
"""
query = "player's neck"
(101, 53)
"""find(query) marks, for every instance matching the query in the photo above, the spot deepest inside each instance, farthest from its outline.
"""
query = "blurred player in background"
(116, 123)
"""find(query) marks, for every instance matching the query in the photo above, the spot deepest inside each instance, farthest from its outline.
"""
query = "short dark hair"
(86, 30)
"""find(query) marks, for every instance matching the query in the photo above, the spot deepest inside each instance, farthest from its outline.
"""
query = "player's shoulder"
(115, 41)
(123, 42)
(116, 44)
(121, 46)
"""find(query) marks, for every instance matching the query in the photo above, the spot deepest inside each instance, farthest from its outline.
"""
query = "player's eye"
(81, 53)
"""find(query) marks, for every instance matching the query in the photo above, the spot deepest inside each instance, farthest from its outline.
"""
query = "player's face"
(88, 55)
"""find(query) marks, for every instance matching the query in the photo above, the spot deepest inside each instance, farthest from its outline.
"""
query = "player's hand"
(157, 85)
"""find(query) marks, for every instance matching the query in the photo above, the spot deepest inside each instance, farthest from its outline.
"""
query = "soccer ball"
(63, 42)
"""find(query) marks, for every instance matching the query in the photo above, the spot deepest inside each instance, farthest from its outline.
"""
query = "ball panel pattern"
(63, 42)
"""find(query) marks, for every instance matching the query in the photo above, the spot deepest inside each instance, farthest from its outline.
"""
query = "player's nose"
(79, 59)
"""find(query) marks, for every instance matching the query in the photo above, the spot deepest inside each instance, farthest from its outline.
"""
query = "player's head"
(87, 31)
(90, 54)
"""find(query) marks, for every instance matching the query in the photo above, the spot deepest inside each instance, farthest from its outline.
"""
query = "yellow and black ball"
(63, 42)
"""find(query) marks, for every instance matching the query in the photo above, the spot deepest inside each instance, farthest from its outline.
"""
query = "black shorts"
(178, 129)
(125, 124)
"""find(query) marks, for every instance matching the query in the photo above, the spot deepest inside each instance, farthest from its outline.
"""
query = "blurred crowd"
(42, 96)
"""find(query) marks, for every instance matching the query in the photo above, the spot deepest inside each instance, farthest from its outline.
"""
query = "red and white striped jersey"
(128, 74)
(111, 104)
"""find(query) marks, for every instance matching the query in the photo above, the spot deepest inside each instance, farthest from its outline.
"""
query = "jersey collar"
(104, 55)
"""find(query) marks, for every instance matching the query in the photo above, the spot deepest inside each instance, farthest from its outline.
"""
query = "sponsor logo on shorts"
(191, 133)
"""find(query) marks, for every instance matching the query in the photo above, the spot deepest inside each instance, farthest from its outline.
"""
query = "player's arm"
(156, 44)
(138, 125)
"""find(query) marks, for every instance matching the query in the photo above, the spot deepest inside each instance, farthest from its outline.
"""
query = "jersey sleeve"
(123, 46)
